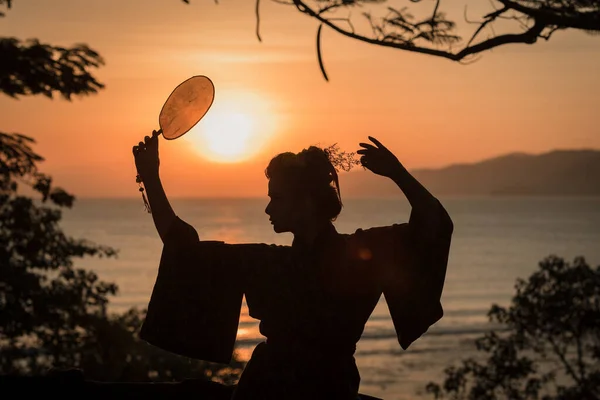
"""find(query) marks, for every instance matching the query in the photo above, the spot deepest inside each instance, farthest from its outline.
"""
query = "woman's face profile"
(287, 208)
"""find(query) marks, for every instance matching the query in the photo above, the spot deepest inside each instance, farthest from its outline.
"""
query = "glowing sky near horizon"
(271, 97)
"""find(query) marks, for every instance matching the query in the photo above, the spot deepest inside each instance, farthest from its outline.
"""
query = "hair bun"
(317, 163)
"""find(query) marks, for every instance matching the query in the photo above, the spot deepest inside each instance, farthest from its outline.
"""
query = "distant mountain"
(556, 173)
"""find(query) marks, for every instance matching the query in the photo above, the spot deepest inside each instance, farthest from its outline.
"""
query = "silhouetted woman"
(312, 298)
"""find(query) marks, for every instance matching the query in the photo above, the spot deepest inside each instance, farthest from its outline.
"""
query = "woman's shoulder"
(366, 243)
(378, 232)
(258, 246)
(262, 251)
(247, 251)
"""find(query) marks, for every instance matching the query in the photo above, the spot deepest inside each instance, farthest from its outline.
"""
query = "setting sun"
(234, 129)
(227, 135)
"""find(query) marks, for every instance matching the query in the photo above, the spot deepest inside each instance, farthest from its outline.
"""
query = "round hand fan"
(185, 106)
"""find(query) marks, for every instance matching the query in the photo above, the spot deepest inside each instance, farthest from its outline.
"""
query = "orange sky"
(429, 111)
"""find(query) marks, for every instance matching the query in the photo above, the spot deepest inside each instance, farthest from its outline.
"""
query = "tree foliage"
(3, 3)
(52, 314)
(551, 349)
(43, 298)
(29, 67)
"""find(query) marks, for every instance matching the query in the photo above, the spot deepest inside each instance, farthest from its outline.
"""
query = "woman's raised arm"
(428, 217)
(381, 161)
(147, 164)
(415, 255)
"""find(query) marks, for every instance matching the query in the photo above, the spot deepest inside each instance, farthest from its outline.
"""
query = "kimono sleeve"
(195, 304)
(411, 260)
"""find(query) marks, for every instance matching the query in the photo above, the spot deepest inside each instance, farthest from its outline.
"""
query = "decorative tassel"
(138, 179)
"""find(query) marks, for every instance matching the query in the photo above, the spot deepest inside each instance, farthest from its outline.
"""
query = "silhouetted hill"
(556, 173)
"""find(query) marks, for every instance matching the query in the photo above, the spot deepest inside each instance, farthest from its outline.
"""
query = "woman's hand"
(146, 157)
(379, 160)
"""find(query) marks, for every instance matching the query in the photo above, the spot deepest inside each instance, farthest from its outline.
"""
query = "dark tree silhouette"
(551, 348)
(434, 34)
(44, 301)
(30, 67)
(53, 315)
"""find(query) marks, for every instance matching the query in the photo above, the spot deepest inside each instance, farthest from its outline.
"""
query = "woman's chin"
(279, 229)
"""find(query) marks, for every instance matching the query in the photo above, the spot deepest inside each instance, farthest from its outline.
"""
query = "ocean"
(496, 240)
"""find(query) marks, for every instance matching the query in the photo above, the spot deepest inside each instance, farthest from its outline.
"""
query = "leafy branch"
(435, 34)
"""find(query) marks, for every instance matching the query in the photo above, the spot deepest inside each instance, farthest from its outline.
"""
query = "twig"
(257, 13)
(319, 57)
(488, 18)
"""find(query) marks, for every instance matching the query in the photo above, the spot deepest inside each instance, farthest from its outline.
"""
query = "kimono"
(312, 303)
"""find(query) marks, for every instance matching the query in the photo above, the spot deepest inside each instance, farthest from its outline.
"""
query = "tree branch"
(434, 35)
(528, 37)
(581, 20)
(561, 355)
(488, 19)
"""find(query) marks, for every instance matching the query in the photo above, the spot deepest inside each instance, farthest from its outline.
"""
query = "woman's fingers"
(366, 150)
(367, 145)
(377, 142)
(141, 146)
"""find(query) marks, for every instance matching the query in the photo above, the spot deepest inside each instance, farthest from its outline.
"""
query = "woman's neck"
(307, 235)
